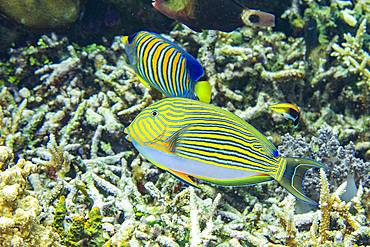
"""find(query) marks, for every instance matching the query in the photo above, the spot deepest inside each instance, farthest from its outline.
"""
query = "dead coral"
(19, 212)
(6, 156)
(333, 208)
(10, 117)
(338, 226)
(354, 57)
(57, 165)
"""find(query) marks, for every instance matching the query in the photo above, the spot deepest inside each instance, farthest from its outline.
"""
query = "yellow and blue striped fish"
(289, 111)
(188, 137)
(166, 66)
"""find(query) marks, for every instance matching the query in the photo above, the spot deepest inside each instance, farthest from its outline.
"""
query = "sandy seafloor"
(70, 178)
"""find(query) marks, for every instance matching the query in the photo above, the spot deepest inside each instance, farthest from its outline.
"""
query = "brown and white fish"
(223, 15)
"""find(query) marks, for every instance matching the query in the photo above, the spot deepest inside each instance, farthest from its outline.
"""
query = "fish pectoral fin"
(182, 177)
(143, 81)
(175, 138)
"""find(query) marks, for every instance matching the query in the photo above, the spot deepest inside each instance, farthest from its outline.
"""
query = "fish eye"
(254, 19)
(154, 113)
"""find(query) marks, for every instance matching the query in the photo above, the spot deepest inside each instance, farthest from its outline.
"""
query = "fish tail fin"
(203, 91)
(294, 174)
(257, 18)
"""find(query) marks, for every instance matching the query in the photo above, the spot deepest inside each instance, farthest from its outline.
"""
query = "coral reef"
(326, 148)
(256, 68)
(353, 55)
(113, 204)
(69, 178)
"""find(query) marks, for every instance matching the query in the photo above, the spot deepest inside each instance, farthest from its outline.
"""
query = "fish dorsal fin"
(270, 149)
(193, 66)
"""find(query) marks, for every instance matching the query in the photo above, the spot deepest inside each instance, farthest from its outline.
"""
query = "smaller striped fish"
(188, 137)
(289, 111)
(164, 65)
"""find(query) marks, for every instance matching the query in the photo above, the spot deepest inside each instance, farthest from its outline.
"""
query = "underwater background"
(68, 176)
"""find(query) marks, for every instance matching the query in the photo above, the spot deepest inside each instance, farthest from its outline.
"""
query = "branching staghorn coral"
(285, 214)
(57, 165)
(332, 207)
(337, 224)
(9, 121)
(24, 61)
(6, 156)
(198, 238)
(353, 55)
(56, 72)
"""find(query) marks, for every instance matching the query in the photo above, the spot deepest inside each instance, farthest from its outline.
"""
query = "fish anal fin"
(183, 178)
(252, 180)
(295, 171)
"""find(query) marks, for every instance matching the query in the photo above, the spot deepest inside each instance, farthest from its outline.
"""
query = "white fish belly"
(191, 167)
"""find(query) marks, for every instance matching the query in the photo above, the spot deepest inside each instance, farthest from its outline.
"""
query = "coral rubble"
(20, 212)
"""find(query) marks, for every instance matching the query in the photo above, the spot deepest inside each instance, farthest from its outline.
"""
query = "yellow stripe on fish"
(164, 65)
(289, 111)
(188, 137)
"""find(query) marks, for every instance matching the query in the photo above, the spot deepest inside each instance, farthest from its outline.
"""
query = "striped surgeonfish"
(166, 66)
(188, 137)
(289, 111)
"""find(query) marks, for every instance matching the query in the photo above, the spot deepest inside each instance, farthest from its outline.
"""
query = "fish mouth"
(128, 138)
